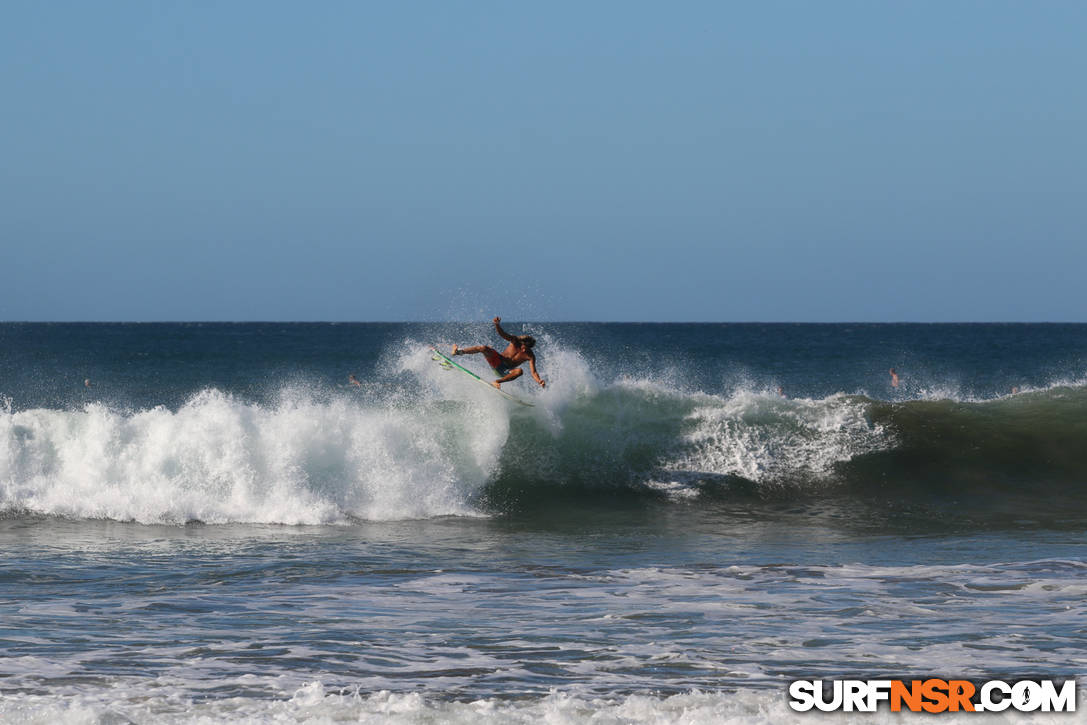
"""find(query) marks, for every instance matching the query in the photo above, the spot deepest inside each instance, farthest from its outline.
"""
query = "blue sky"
(799, 161)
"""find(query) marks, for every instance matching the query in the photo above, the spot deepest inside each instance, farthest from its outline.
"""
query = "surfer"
(353, 380)
(894, 378)
(507, 364)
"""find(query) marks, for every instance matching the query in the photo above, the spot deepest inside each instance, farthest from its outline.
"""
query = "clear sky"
(697, 161)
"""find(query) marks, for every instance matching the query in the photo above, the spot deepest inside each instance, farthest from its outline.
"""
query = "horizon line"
(560, 322)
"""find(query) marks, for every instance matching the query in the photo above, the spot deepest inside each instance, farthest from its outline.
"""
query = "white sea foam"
(727, 637)
(763, 437)
(218, 459)
(316, 703)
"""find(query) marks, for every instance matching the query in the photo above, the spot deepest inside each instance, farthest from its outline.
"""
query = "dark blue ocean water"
(207, 522)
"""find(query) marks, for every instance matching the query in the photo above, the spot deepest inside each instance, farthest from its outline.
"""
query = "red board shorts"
(496, 361)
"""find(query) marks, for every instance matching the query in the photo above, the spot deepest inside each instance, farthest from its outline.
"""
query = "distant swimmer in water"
(781, 392)
(894, 378)
(86, 382)
(507, 365)
(351, 379)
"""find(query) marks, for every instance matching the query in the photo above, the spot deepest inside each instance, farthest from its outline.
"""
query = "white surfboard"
(447, 363)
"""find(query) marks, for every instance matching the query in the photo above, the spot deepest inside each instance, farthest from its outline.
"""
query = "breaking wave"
(445, 446)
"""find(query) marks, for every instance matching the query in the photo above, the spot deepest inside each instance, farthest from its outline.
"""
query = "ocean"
(209, 523)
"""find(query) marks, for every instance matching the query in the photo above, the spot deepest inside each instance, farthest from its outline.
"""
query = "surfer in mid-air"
(507, 364)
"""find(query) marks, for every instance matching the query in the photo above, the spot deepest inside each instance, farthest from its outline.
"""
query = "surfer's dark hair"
(528, 341)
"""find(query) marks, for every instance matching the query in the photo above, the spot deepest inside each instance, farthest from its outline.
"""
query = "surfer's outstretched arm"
(505, 335)
(532, 369)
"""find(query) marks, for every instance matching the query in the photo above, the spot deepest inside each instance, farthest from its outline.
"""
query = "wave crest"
(448, 447)
(219, 460)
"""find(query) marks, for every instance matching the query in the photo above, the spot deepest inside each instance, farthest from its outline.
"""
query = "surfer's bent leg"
(513, 375)
(469, 350)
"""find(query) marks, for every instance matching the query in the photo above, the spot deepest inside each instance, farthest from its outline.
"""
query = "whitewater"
(207, 523)
(217, 459)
